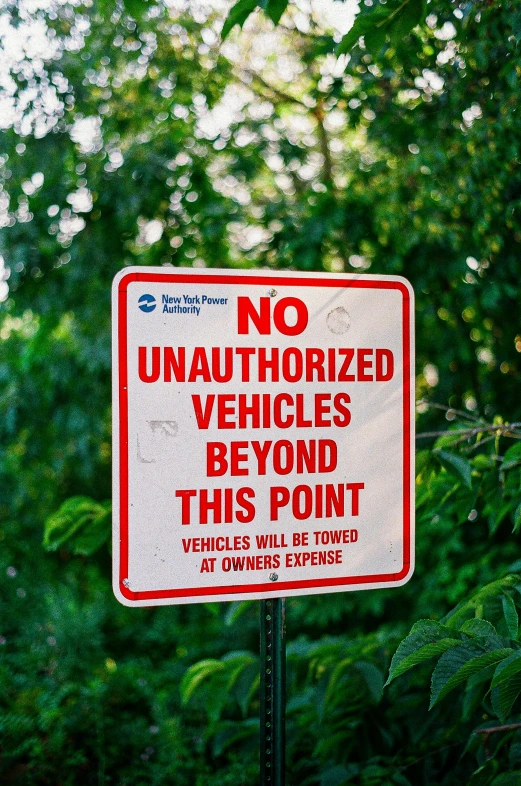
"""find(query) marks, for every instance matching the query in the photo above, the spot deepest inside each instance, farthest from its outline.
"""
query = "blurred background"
(132, 135)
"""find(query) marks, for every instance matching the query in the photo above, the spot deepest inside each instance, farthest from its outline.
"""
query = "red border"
(223, 278)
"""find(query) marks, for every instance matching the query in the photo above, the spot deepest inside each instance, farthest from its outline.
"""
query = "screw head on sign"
(273, 577)
(273, 293)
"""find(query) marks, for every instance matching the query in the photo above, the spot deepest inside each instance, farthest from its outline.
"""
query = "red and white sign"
(263, 434)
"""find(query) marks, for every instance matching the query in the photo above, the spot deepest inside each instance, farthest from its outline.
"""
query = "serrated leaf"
(237, 15)
(457, 465)
(511, 616)
(421, 654)
(507, 668)
(478, 627)
(504, 696)
(496, 588)
(459, 663)
(426, 640)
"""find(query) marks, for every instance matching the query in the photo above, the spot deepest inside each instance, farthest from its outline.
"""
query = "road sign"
(263, 434)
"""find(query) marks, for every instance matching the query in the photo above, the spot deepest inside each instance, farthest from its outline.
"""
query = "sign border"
(120, 427)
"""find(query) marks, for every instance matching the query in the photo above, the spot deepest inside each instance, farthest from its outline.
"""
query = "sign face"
(263, 434)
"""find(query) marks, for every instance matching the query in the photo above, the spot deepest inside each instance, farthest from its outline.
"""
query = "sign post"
(263, 441)
(272, 691)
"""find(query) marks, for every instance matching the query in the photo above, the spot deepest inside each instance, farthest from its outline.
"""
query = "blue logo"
(147, 303)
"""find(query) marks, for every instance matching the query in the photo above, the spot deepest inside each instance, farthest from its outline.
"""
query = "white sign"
(263, 434)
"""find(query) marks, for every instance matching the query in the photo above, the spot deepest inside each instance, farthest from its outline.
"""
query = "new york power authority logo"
(147, 303)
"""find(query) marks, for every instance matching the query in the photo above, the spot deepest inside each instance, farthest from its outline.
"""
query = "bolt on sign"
(263, 434)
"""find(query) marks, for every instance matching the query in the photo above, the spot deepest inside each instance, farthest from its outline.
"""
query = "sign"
(263, 434)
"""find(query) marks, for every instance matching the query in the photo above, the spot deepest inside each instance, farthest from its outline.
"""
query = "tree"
(132, 137)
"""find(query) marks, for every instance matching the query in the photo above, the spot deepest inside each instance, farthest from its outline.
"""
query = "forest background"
(133, 135)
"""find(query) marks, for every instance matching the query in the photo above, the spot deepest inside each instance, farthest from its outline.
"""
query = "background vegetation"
(132, 136)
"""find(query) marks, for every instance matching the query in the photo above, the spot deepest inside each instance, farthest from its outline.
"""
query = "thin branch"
(275, 91)
(481, 442)
(499, 429)
(494, 729)
(445, 408)
(317, 112)
(431, 753)
(324, 145)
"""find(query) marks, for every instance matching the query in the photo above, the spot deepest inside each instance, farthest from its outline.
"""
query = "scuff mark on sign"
(140, 458)
(156, 441)
(168, 427)
(338, 320)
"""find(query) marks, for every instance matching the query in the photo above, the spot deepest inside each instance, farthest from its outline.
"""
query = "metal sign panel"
(263, 434)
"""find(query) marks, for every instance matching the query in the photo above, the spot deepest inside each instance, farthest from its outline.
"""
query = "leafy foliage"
(400, 158)
(80, 522)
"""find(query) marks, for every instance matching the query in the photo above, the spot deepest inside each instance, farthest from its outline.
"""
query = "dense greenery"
(133, 137)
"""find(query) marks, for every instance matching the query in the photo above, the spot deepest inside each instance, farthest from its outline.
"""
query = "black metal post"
(272, 691)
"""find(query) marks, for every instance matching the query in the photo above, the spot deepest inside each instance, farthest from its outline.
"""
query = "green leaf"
(457, 465)
(373, 677)
(365, 23)
(92, 537)
(506, 669)
(375, 38)
(511, 616)
(426, 640)
(235, 610)
(517, 519)
(512, 457)
(514, 754)
(477, 627)
(81, 523)
(404, 21)
(237, 15)
(274, 9)
(507, 779)
(495, 589)
(459, 663)
(504, 696)
(497, 514)
(448, 439)
(231, 732)
(482, 776)
(196, 674)
(483, 462)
